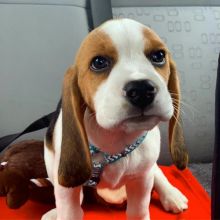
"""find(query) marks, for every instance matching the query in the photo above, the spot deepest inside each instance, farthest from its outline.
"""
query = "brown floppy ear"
(75, 162)
(178, 151)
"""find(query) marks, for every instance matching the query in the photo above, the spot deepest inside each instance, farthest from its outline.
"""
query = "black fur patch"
(49, 134)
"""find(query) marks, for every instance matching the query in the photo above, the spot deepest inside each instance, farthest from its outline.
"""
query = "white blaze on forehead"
(126, 34)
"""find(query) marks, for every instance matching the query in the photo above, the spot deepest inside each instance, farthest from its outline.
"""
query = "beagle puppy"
(122, 85)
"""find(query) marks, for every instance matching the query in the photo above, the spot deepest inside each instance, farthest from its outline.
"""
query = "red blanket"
(199, 203)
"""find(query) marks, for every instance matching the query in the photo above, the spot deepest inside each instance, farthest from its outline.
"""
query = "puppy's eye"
(157, 58)
(100, 63)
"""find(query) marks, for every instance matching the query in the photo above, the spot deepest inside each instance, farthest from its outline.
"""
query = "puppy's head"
(125, 75)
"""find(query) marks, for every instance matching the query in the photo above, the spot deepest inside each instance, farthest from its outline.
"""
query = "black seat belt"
(101, 11)
(39, 124)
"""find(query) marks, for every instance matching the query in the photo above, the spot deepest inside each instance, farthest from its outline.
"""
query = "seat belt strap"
(39, 124)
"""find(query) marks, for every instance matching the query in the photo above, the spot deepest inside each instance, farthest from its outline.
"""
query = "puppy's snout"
(140, 93)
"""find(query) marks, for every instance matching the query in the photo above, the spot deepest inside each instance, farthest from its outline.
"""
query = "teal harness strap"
(108, 159)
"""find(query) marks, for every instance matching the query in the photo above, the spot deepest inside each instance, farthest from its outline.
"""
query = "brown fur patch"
(75, 162)
(176, 139)
(96, 44)
(50, 130)
(20, 157)
(153, 43)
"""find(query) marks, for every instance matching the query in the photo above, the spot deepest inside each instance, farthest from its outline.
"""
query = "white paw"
(50, 215)
(173, 200)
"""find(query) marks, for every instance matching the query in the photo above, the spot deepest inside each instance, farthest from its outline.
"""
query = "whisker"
(177, 121)
(186, 106)
(176, 108)
(183, 102)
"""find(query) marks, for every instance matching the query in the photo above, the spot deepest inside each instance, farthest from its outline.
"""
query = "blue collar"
(108, 159)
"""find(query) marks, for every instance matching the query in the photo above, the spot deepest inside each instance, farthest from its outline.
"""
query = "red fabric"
(199, 203)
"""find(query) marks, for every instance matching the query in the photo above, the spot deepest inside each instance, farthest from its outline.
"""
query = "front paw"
(65, 215)
(50, 215)
(173, 200)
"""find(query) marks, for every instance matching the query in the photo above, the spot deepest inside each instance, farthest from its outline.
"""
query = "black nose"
(140, 93)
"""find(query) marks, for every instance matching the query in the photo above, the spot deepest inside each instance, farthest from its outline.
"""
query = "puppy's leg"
(68, 203)
(50, 215)
(138, 197)
(68, 200)
(171, 198)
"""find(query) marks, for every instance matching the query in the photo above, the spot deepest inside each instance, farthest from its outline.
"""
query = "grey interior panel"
(159, 3)
(37, 44)
(79, 3)
(193, 37)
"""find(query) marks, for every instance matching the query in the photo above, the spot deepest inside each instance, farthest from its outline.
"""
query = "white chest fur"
(135, 164)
